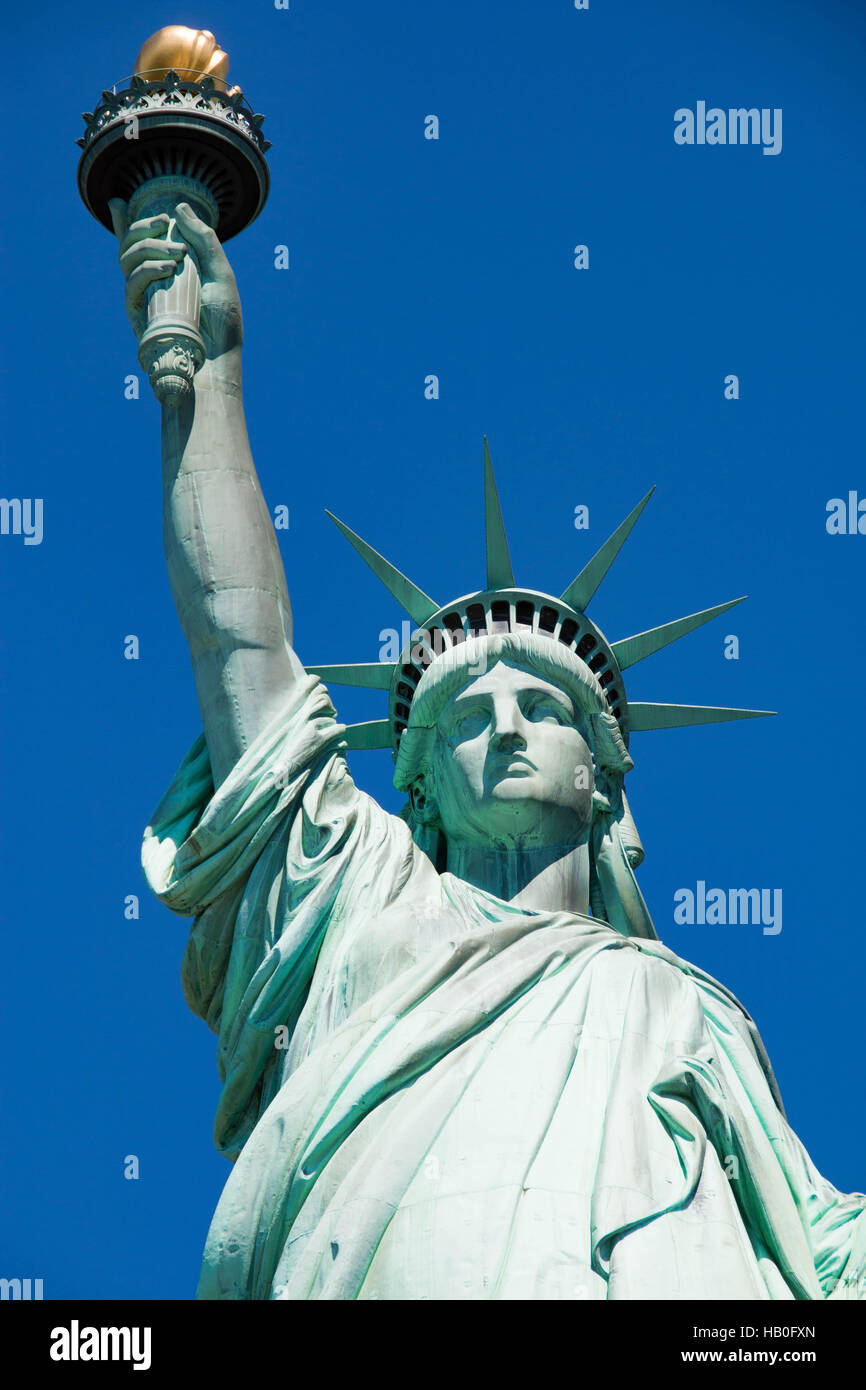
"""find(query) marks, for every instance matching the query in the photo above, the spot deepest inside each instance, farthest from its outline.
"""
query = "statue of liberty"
(457, 1061)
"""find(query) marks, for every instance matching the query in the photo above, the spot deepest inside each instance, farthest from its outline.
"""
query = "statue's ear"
(423, 801)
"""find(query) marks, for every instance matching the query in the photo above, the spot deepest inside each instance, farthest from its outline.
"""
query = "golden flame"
(192, 53)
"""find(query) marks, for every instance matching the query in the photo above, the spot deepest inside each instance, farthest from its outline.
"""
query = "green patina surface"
(457, 1061)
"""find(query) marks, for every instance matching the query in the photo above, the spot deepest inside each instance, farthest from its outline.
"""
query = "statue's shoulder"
(659, 957)
(655, 960)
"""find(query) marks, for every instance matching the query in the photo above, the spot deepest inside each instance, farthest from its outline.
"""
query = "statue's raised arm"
(223, 560)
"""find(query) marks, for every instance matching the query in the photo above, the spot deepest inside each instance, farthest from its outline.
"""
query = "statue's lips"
(510, 765)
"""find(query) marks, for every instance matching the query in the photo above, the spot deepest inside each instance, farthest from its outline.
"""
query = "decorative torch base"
(171, 361)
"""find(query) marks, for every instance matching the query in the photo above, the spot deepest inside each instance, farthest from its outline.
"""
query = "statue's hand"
(148, 254)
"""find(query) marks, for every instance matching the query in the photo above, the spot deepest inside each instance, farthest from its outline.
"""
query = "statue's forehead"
(506, 674)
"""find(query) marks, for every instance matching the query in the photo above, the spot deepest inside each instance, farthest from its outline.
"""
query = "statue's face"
(511, 765)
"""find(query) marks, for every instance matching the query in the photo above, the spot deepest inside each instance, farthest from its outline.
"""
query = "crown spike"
(375, 733)
(416, 603)
(629, 650)
(500, 575)
(373, 675)
(651, 716)
(581, 589)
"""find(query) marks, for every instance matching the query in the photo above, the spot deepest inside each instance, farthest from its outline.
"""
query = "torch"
(173, 133)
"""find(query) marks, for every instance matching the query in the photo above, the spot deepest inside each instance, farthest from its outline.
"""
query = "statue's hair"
(615, 847)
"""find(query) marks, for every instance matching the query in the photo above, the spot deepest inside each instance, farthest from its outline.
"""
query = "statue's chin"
(511, 784)
(510, 817)
(510, 803)
(533, 791)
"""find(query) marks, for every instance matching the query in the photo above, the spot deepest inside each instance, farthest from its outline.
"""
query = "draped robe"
(430, 1093)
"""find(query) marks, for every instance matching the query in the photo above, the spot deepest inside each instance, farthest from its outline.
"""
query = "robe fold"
(430, 1093)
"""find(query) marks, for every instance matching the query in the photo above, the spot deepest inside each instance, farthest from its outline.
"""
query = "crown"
(502, 608)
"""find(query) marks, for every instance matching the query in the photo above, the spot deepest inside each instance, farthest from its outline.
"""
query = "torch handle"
(172, 349)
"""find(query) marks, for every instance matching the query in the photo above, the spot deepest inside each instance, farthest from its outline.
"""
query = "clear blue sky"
(411, 257)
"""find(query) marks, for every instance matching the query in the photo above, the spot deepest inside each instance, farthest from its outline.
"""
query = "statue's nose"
(508, 728)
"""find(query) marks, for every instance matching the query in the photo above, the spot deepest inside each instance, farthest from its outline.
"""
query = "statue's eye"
(542, 706)
(469, 723)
